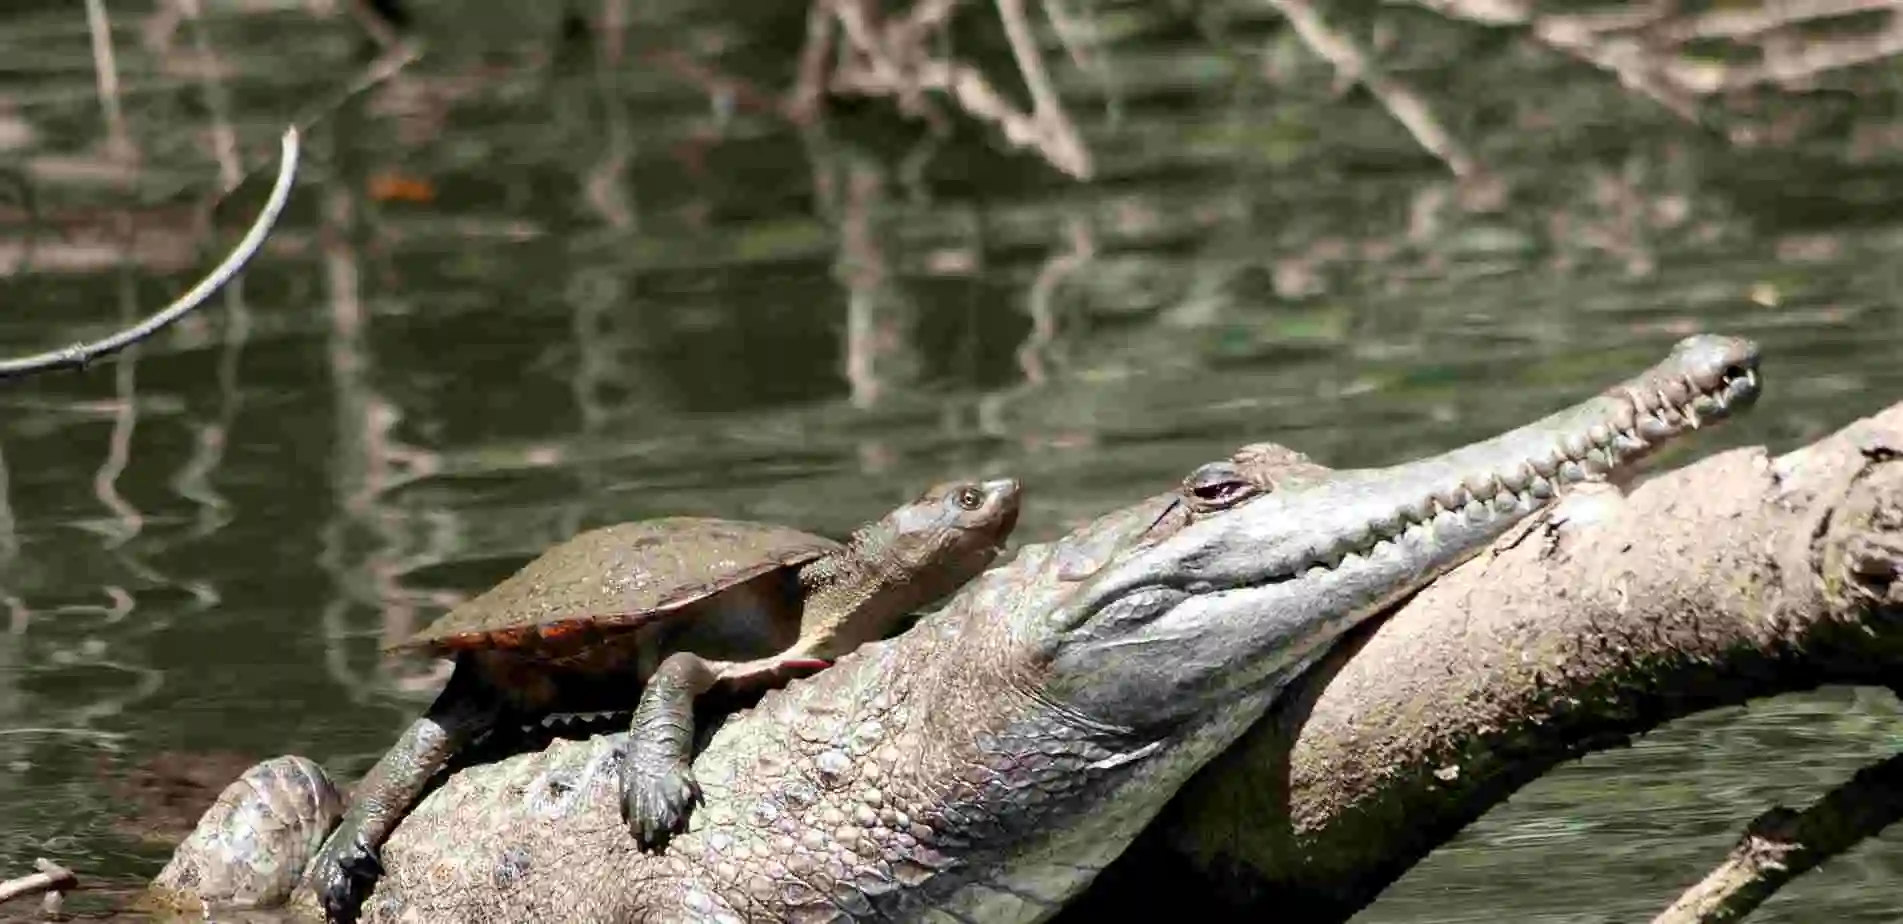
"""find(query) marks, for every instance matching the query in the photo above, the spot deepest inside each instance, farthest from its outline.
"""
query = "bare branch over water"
(79, 355)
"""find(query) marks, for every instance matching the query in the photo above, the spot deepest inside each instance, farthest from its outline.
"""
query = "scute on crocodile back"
(624, 574)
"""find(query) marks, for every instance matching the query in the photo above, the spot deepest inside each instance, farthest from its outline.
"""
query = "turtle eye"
(1218, 484)
(970, 498)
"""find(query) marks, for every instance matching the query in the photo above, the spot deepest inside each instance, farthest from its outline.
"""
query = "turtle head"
(946, 536)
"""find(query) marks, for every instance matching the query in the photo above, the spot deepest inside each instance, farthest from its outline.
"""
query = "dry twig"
(1781, 845)
(51, 877)
(80, 354)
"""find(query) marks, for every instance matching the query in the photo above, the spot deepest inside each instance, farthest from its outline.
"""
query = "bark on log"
(1737, 577)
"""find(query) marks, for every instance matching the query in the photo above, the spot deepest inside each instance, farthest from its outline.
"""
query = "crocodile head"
(1267, 556)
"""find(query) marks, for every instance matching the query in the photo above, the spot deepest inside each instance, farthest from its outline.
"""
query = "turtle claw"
(343, 883)
(655, 803)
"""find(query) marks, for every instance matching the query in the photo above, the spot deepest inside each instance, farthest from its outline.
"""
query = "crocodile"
(987, 764)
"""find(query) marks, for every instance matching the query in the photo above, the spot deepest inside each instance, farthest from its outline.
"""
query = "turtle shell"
(620, 576)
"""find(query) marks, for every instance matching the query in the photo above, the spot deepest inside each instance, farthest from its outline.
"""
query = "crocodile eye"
(1218, 484)
(970, 498)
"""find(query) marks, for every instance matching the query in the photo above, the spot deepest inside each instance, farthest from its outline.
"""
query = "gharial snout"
(1007, 495)
(1706, 377)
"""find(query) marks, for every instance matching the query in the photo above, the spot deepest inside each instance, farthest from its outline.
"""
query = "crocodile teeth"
(1421, 509)
(1596, 462)
(1647, 414)
(1653, 429)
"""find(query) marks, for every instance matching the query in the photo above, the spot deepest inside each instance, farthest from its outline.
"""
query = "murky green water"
(524, 290)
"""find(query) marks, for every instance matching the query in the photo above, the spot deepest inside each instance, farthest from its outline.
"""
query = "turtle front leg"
(344, 870)
(658, 788)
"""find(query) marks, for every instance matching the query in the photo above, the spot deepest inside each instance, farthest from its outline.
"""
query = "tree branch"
(51, 877)
(1781, 845)
(80, 354)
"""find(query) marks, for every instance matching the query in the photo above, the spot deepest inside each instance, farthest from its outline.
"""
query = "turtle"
(655, 613)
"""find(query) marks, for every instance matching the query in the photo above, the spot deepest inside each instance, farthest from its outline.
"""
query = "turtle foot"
(655, 802)
(344, 881)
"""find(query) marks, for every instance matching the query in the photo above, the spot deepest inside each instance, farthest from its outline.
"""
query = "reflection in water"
(600, 374)
(606, 189)
(367, 462)
(127, 520)
(127, 524)
(880, 319)
(1352, 66)
(849, 48)
(106, 73)
(596, 292)
(350, 465)
(1040, 348)
(193, 481)
(12, 699)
